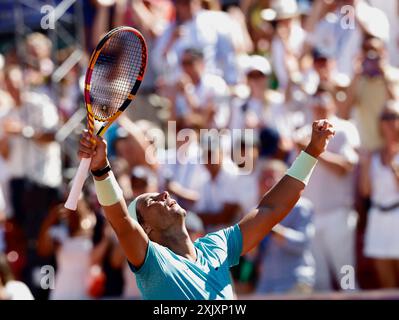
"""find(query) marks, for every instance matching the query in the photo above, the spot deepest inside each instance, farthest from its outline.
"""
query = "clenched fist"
(93, 147)
(322, 132)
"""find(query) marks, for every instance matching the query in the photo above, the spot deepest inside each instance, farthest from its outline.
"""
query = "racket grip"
(77, 184)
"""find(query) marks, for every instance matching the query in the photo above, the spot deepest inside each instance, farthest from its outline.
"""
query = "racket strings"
(114, 74)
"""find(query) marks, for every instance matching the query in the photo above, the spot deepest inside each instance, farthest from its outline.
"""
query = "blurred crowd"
(268, 66)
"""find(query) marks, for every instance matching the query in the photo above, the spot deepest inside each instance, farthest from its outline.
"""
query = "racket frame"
(84, 165)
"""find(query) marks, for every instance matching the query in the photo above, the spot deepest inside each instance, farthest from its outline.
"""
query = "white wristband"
(108, 190)
(302, 167)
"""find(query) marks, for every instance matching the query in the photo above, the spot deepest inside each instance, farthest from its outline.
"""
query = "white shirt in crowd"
(391, 9)
(39, 162)
(17, 290)
(384, 185)
(273, 113)
(342, 43)
(327, 190)
(214, 193)
(212, 89)
(73, 262)
(382, 236)
(248, 195)
(208, 31)
(278, 52)
(181, 165)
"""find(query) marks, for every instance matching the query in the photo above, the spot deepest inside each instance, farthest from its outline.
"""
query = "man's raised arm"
(279, 201)
(131, 235)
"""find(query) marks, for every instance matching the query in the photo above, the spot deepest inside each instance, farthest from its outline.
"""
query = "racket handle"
(77, 184)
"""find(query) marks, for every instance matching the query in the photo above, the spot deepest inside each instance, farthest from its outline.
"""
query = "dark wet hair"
(140, 219)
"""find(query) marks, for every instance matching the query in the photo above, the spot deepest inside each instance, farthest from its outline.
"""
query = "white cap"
(373, 20)
(281, 9)
(258, 63)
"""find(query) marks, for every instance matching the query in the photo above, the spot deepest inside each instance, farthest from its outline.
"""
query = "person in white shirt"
(343, 44)
(11, 289)
(262, 107)
(199, 93)
(68, 235)
(331, 190)
(33, 162)
(288, 41)
(29, 130)
(379, 180)
(218, 203)
(196, 28)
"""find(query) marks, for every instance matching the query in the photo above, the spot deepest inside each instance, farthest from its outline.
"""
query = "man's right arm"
(131, 235)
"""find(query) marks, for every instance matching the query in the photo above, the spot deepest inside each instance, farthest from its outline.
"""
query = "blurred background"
(271, 66)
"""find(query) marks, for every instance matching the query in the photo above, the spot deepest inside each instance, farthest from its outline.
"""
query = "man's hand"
(322, 132)
(93, 147)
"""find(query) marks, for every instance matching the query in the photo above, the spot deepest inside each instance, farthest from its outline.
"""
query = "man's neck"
(179, 242)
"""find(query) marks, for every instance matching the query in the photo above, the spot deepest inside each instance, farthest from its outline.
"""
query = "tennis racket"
(116, 70)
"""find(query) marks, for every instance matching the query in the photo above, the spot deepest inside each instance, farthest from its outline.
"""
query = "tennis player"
(153, 234)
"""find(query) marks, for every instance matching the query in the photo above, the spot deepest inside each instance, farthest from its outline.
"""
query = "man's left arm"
(279, 201)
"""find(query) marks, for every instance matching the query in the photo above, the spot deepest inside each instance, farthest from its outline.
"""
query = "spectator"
(218, 201)
(391, 10)
(107, 263)
(199, 94)
(69, 235)
(143, 180)
(245, 156)
(333, 247)
(34, 162)
(288, 41)
(380, 181)
(287, 265)
(263, 107)
(201, 29)
(371, 87)
(326, 33)
(33, 154)
(11, 289)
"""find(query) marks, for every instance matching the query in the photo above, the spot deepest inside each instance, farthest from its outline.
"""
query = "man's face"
(159, 211)
(256, 80)
(192, 66)
(321, 109)
(323, 67)
(184, 9)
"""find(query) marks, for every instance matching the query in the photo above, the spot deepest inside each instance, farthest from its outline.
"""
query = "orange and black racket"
(116, 70)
